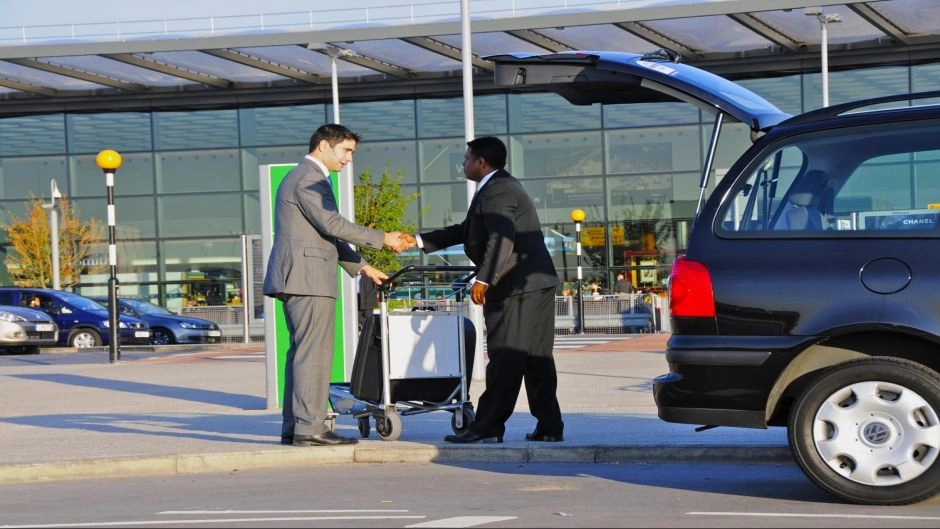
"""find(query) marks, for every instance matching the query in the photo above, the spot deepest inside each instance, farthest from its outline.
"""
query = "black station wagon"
(806, 297)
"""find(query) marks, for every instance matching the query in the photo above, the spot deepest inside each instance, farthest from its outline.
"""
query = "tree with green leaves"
(381, 205)
(30, 262)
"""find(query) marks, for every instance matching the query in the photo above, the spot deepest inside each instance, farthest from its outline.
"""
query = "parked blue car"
(166, 327)
(82, 322)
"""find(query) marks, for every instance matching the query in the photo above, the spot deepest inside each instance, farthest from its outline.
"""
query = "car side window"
(879, 181)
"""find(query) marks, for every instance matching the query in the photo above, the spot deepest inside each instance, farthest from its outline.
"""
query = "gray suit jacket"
(310, 237)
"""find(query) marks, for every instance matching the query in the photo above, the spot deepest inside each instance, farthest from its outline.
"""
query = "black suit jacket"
(503, 237)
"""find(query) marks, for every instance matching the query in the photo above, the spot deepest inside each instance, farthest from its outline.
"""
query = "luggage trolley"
(414, 357)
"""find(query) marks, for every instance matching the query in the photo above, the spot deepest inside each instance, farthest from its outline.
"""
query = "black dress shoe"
(287, 439)
(327, 438)
(474, 437)
(544, 437)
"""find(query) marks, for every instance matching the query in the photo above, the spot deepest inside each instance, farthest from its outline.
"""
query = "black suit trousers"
(520, 336)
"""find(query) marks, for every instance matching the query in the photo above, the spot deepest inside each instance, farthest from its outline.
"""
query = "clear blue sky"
(46, 12)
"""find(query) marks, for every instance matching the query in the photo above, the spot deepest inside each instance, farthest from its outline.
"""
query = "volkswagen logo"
(876, 433)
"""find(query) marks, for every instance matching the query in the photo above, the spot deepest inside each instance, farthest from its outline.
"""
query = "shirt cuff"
(420, 241)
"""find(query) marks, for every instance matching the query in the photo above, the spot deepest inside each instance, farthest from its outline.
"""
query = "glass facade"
(188, 186)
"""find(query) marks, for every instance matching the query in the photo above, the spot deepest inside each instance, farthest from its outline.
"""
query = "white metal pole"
(475, 312)
(54, 235)
(824, 50)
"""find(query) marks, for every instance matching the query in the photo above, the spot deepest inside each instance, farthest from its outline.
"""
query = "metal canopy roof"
(391, 51)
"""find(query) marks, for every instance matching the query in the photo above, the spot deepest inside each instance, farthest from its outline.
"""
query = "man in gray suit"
(515, 284)
(310, 239)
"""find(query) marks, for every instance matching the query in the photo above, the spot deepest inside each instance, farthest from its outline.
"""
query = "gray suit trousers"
(311, 322)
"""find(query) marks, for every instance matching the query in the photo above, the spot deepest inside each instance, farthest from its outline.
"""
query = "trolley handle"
(386, 285)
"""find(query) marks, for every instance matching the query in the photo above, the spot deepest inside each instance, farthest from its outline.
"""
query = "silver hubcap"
(877, 433)
(83, 340)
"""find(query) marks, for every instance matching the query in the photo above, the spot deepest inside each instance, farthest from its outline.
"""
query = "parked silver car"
(24, 331)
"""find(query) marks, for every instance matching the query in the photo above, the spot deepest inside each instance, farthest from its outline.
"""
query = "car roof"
(587, 77)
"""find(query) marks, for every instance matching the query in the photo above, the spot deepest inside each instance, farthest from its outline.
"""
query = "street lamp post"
(577, 215)
(109, 161)
(54, 233)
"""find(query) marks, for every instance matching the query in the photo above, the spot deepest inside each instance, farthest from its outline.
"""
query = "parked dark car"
(166, 327)
(24, 331)
(82, 322)
(806, 294)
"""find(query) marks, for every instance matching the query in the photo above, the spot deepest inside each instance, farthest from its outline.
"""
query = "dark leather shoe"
(327, 438)
(474, 437)
(287, 439)
(544, 437)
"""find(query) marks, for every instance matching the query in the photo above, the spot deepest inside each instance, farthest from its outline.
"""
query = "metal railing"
(614, 314)
(230, 319)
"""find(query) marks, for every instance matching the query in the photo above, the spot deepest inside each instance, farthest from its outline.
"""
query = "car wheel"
(160, 336)
(868, 431)
(84, 338)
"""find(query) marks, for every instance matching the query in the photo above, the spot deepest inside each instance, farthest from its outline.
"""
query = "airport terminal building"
(194, 107)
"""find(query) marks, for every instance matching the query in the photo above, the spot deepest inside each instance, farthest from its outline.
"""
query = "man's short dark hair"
(333, 133)
(491, 149)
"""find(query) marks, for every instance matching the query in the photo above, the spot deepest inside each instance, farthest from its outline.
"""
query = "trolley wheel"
(388, 426)
(364, 426)
(468, 417)
(330, 422)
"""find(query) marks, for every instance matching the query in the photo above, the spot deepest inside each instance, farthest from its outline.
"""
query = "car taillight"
(690, 290)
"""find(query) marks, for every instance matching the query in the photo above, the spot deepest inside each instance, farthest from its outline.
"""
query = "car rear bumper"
(722, 381)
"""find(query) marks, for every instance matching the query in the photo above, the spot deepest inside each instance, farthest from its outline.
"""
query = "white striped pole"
(577, 215)
(109, 161)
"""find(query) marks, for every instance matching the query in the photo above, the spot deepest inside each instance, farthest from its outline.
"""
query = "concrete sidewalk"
(203, 409)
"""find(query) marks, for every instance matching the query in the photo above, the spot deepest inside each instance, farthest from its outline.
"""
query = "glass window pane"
(134, 177)
(189, 171)
(649, 114)
(442, 160)
(200, 215)
(120, 131)
(290, 125)
(441, 118)
(563, 154)
(32, 135)
(32, 176)
(195, 130)
(445, 204)
(653, 149)
(925, 77)
(378, 120)
(136, 262)
(252, 212)
(133, 216)
(391, 156)
(852, 85)
(202, 272)
(542, 112)
(555, 199)
(252, 159)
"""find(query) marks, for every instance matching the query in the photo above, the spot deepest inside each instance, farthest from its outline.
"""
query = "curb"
(376, 453)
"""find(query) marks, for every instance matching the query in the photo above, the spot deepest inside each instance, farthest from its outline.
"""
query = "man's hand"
(409, 240)
(478, 293)
(394, 241)
(374, 274)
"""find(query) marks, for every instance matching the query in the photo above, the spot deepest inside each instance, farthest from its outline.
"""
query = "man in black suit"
(515, 284)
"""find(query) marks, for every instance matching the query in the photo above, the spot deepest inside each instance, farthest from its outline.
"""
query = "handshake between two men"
(400, 241)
